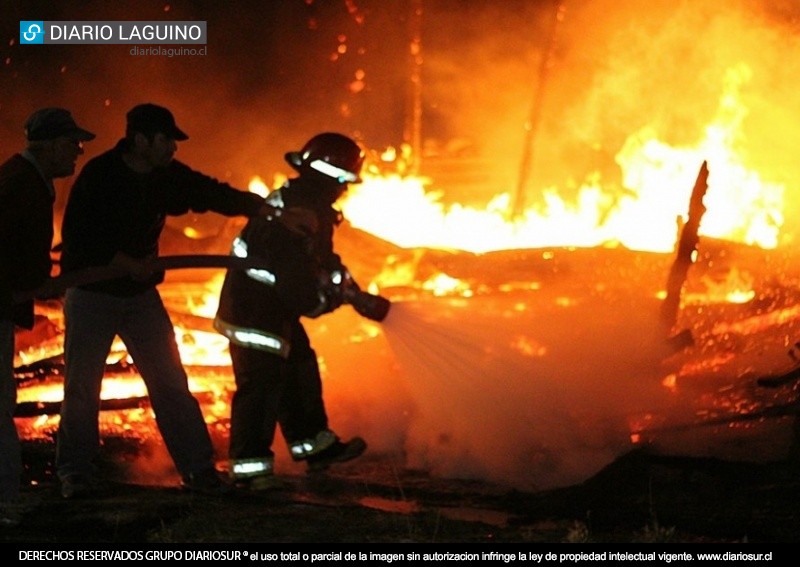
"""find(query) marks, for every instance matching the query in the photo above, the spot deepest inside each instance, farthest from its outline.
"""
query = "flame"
(209, 298)
(737, 287)
(758, 323)
(442, 284)
(202, 348)
(657, 179)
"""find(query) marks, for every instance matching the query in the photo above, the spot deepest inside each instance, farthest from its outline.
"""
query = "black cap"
(52, 123)
(151, 119)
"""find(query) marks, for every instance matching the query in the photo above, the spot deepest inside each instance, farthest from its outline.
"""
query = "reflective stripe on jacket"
(253, 338)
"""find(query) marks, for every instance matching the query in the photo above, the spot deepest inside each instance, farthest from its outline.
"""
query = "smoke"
(543, 383)
(516, 389)
(484, 410)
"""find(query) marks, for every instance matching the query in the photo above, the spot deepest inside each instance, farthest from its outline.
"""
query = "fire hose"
(366, 304)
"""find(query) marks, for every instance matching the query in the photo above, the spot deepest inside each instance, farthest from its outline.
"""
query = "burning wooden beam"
(687, 246)
(37, 408)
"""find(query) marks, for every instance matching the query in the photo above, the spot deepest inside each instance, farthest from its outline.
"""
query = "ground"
(640, 497)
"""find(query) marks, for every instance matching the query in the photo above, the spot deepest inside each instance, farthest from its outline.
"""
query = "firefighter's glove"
(350, 290)
(331, 290)
(335, 287)
(367, 305)
(348, 285)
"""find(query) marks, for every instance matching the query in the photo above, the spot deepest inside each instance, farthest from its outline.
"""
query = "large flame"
(657, 180)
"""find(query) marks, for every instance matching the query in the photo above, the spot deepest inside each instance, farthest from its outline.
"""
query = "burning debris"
(558, 356)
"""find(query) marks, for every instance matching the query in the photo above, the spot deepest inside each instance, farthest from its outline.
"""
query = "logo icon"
(31, 32)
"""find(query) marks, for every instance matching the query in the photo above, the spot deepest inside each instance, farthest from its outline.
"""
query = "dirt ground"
(641, 497)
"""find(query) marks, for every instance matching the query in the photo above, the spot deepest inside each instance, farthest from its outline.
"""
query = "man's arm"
(195, 191)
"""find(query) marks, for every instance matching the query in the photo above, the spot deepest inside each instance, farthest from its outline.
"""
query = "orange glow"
(758, 323)
(258, 186)
(658, 178)
(737, 287)
(529, 347)
(670, 382)
(442, 284)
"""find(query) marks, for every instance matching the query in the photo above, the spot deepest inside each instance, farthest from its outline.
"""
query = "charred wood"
(687, 245)
(35, 409)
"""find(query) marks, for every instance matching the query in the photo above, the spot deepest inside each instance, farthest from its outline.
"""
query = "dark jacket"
(26, 235)
(250, 301)
(113, 209)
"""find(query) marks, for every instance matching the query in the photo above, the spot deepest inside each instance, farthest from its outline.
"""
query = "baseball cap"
(51, 123)
(150, 119)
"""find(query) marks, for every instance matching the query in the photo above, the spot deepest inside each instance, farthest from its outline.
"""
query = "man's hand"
(297, 219)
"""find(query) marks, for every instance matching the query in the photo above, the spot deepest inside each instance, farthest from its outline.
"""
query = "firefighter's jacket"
(258, 305)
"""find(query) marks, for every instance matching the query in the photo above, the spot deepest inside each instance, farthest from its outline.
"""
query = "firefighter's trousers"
(270, 391)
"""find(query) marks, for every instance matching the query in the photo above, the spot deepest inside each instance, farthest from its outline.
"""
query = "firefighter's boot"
(339, 452)
(326, 449)
(256, 474)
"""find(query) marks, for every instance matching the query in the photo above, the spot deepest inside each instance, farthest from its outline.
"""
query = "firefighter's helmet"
(331, 154)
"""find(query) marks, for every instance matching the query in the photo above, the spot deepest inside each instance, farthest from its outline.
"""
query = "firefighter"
(275, 367)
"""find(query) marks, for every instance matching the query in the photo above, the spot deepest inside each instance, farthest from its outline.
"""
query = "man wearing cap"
(114, 216)
(54, 142)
